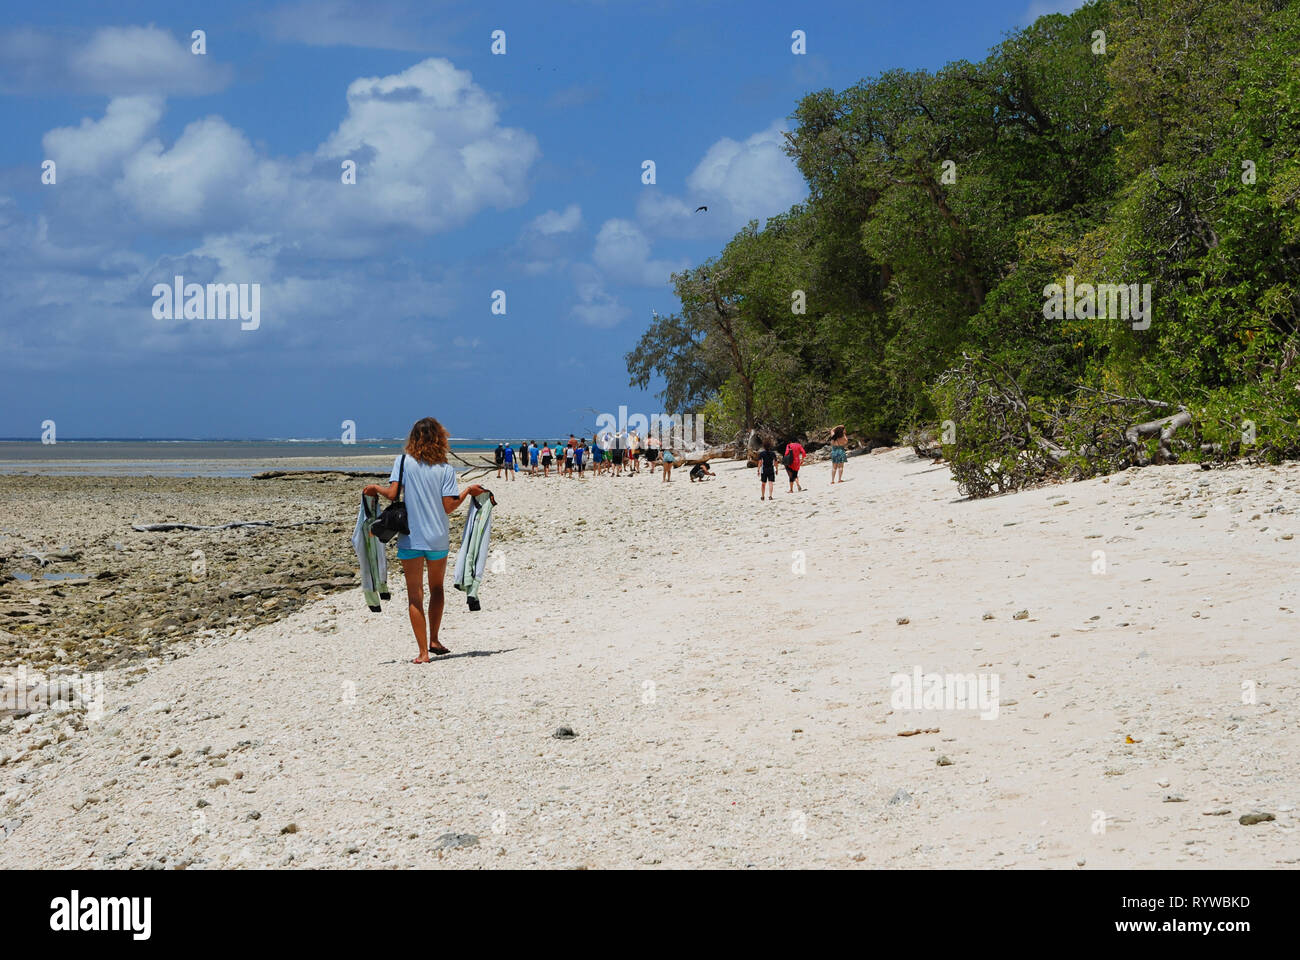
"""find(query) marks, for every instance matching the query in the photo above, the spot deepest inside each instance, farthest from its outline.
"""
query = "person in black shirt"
(500, 458)
(767, 471)
(700, 471)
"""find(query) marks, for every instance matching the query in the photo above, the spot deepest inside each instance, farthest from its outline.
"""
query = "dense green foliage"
(941, 206)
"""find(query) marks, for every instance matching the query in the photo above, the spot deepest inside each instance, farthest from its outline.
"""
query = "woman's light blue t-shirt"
(423, 487)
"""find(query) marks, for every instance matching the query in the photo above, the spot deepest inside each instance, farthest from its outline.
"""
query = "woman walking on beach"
(546, 459)
(428, 487)
(839, 453)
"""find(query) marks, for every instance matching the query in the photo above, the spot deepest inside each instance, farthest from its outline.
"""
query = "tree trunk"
(1165, 428)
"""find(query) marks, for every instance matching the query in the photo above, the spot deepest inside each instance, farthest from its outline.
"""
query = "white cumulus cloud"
(623, 252)
(428, 148)
(113, 61)
(433, 151)
(557, 221)
(754, 179)
(99, 146)
(737, 180)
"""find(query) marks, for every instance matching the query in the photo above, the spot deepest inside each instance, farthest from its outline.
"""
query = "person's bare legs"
(413, 570)
(437, 600)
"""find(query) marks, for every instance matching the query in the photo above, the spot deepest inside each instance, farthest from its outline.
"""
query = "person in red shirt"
(794, 453)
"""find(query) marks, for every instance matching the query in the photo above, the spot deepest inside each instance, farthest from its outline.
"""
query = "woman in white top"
(429, 488)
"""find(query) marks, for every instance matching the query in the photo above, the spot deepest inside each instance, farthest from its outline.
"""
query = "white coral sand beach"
(729, 710)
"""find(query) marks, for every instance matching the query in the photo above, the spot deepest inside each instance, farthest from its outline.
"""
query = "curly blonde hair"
(428, 441)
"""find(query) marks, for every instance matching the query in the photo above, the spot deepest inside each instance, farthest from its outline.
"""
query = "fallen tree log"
(1164, 428)
(316, 474)
(724, 452)
(164, 527)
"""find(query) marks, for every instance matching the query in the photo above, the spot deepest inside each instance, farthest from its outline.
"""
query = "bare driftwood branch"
(1052, 449)
(1165, 428)
(1109, 397)
(466, 462)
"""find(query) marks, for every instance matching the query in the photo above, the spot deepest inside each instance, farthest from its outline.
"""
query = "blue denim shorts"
(417, 554)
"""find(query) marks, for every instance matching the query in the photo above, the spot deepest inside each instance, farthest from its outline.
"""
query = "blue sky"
(475, 172)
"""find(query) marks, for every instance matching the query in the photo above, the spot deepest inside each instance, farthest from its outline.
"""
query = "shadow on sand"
(453, 656)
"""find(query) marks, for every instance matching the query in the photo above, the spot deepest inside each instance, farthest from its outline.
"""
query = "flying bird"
(698, 209)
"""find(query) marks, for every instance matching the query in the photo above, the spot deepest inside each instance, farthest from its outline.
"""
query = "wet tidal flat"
(81, 590)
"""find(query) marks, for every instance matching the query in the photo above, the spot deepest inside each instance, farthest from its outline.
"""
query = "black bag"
(393, 520)
(787, 460)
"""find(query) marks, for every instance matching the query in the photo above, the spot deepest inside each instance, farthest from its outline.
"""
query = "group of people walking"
(612, 454)
(793, 459)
